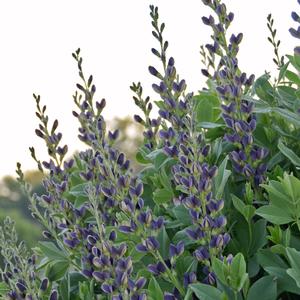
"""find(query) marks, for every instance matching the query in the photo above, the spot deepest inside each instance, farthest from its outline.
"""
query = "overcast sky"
(38, 37)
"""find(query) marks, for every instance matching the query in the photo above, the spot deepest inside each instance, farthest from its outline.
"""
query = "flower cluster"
(232, 85)
(20, 269)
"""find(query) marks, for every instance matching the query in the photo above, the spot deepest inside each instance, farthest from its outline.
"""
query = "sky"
(38, 37)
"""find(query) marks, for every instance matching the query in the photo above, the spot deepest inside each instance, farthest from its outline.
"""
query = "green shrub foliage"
(213, 214)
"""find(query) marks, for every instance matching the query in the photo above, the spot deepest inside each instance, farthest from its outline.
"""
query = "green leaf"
(221, 179)
(274, 214)
(294, 258)
(220, 269)
(3, 288)
(258, 236)
(207, 108)
(209, 125)
(264, 89)
(264, 288)
(79, 190)
(292, 77)
(182, 214)
(161, 196)
(50, 250)
(205, 292)
(284, 282)
(247, 211)
(287, 115)
(64, 287)
(290, 154)
(57, 270)
(266, 258)
(295, 275)
(164, 242)
(154, 290)
(238, 272)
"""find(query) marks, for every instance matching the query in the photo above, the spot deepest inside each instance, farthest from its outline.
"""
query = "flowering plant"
(214, 213)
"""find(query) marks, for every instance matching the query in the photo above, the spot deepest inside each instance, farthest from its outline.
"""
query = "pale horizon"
(115, 38)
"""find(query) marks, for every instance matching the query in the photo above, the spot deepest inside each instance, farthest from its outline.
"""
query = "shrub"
(214, 213)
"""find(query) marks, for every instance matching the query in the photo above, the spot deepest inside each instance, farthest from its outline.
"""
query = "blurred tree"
(14, 203)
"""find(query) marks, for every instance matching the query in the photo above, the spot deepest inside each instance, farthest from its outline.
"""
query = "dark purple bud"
(106, 288)
(189, 278)
(213, 171)
(252, 124)
(171, 151)
(220, 222)
(155, 52)
(91, 240)
(205, 150)
(295, 16)
(261, 169)
(170, 102)
(297, 50)
(140, 283)
(171, 62)
(112, 236)
(44, 284)
(157, 269)
(47, 234)
(141, 248)
(153, 71)
(164, 114)
(87, 273)
(125, 229)
(113, 135)
(100, 105)
(152, 243)
(295, 33)
(229, 259)
(248, 170)
(169, 296)
(21, 287)
(70, 243)
(208, 21)
(53, 295)
(211, 278)
(201, 254)
(157, 224)
(230, 17)
(205, 72)
(138, 119)
(101, 276)
(39, 133)
(226, 238)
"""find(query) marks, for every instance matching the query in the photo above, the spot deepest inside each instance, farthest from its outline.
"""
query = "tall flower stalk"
(232, 86)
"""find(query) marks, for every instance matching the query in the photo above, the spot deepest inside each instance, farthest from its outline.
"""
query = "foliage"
(213, 213)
